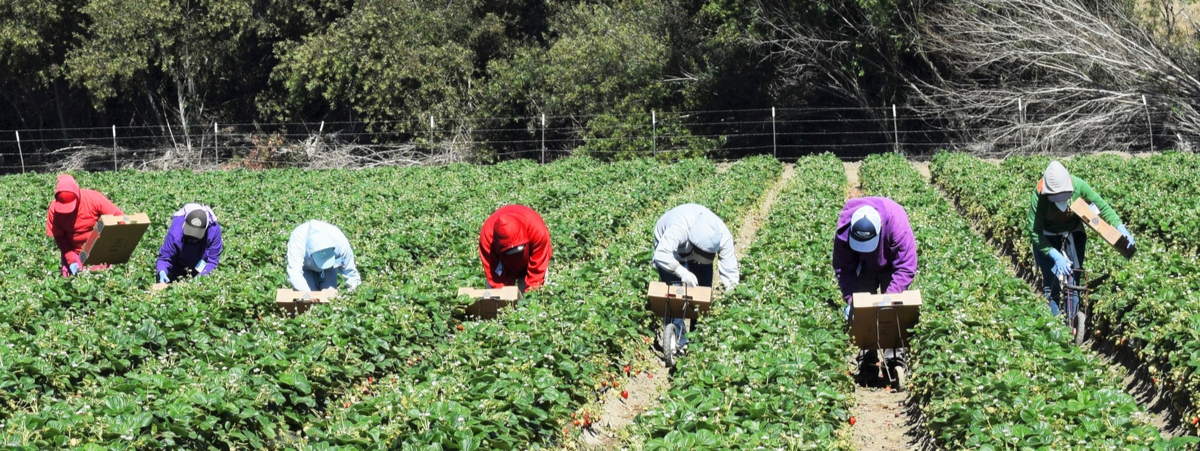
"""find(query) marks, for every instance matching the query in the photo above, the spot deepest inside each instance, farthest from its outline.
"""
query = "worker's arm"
(845, 267)
(1036, 223)
(166, 253)
(295, 260)
(349, 269)
(539, 262)
(905, 247)
(64, 240)
(727, 264)
(489, 260)
(212, 252)
(102, 205)
(1088, 194)
(664, 250)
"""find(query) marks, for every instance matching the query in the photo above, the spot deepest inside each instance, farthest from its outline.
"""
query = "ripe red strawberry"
(576, 422)
(616, 384)
(626, 369)
(852, 421)
(625, 394)
(460, 327)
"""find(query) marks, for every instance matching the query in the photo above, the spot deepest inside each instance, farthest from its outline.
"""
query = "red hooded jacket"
(509, 227)
(71, 223)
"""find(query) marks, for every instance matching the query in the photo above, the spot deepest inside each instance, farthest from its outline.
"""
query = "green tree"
(400, 61)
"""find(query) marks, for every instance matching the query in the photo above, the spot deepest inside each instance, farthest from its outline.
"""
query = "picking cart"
(670, 302)
(881, 323)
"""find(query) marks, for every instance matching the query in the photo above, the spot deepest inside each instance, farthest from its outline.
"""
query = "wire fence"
(786, 133)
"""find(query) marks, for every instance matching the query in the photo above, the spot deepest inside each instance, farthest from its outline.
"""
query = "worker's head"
(864, 229)
(1056, 185)
(508, 236)
(321, 244)
(195, 226)
(705, 235)
(66, 195)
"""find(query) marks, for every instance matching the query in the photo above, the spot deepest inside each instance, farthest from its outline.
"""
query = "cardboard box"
(489, 301)
(671, 300)
(874, 317)
(114, 239)
(293, 302)
(1104, 229)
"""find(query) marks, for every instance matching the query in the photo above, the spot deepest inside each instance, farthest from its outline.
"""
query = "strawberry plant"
(990, 366)
(766, 368)
(1146, 309)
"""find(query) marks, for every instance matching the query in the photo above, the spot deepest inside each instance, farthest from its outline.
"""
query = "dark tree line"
(588, 65)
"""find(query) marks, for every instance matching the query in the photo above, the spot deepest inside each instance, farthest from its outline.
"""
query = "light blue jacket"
(313, 236)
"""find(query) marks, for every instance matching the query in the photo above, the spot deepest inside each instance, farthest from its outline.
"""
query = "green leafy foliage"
(1013, 358)
(765, 368)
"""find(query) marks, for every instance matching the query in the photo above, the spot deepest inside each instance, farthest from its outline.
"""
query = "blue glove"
(1062, 266)
(847, 313)
(162, 277)
(1125, 232)
(74, 268)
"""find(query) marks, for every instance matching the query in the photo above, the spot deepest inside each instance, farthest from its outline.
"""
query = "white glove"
(687, 277)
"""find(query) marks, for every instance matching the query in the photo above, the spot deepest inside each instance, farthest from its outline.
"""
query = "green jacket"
(1044, 216)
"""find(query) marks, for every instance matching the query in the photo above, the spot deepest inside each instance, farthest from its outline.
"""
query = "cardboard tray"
(885, 308)
(292, 302)
(1104, 229)
(674, 297)
(114, 239)
(489, 301)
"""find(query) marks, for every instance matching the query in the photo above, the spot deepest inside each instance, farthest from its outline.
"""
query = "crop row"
(209, 367)
(766, 369)
(514, 382)
(1150, 305)
(991, 369)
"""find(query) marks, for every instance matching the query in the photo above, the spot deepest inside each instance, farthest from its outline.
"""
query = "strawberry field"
(100, 362)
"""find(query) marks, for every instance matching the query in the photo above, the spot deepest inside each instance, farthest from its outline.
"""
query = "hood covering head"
(66, 195)
(320, 247)
(509, 233)
(706, 233)
(864, 229)
(1056, 183)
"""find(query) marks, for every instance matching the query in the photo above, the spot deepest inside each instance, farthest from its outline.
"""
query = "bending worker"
(874, 250)
(317, 252)
(193, 244)
(71, 219)
(514, 246)
(687, 240)
(1051, 221)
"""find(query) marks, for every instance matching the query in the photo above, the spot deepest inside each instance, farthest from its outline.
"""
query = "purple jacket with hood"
(177, 256)
(897, 250)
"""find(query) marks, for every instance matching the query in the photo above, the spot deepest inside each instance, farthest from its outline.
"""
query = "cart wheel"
(1080, 327)
(670, 340)
(901, 377)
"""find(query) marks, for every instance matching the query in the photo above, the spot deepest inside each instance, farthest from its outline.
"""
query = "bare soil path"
(651, 378)
(882, 420)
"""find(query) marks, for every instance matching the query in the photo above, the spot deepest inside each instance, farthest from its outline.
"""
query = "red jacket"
(509, 227)
(72, 229)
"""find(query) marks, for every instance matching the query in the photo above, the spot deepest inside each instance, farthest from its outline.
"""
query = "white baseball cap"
(864, 229)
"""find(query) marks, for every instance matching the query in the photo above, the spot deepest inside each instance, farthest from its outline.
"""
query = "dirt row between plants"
(645, 389)
(1137, 381)
(882, 419)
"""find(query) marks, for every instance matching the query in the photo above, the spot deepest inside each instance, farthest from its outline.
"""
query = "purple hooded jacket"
(176, 256)
(897, 249)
